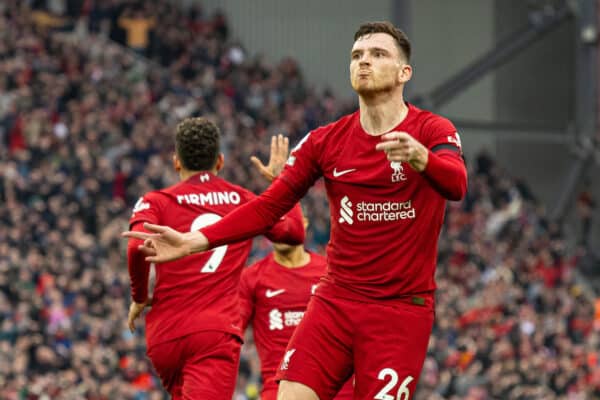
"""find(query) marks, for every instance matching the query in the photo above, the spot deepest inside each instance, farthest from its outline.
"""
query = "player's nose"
(364, 61)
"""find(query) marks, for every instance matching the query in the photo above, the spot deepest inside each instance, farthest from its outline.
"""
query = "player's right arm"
(251, 219)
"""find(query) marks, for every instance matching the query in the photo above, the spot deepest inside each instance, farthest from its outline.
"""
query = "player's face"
(376, 64)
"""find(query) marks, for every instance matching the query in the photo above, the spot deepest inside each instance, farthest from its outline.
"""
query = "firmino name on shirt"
(210, 198)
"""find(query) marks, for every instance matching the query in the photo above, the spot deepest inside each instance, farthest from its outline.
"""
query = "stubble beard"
(372, 89)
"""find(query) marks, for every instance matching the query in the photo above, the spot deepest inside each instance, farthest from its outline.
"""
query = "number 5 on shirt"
(218, 253)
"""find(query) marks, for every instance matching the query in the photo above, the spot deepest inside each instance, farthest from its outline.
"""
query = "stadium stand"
(85, 127)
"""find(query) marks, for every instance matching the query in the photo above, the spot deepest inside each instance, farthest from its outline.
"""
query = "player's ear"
(220, 162)
(176, 163)
(405, 73)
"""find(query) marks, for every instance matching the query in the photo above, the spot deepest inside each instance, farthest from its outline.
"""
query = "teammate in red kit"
(274, 293)
(193, 330)
(389, 169)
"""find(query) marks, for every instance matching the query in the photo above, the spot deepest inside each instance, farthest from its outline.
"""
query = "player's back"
(198, 292)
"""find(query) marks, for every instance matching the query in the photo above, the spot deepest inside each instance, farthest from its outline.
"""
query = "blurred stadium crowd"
(86, 128)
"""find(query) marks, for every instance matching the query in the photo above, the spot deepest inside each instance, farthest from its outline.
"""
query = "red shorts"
(384, 344)
(202, 365)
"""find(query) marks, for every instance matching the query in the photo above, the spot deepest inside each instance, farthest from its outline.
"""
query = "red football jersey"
(200, 292)
(385, 217)
(273, 299)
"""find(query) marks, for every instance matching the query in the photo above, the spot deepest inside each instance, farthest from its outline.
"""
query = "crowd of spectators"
(512, 320)
(86, 128)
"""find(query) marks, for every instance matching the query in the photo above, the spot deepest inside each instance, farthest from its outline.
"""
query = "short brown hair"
(197, 143)
(389, 28)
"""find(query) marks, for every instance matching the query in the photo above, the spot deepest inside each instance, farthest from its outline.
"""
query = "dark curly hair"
(389, 28)
(197, 143)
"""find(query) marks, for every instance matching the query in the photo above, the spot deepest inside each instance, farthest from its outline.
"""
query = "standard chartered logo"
(279, 320)
(275, 320)
(366, 211)
(346, 212)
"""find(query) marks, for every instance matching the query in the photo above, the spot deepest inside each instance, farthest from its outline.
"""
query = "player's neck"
(382, 112)
(185, 174)
(295, 258)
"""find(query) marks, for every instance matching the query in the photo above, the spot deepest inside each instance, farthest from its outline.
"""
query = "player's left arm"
(438, 158)
(447, 173)
(145, 210)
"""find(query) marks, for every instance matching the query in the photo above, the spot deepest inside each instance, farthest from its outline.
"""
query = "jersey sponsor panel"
(369, 211)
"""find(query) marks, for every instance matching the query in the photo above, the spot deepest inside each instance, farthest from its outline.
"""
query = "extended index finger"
(155, 228)
(138, 235)
(396, 135)
(387, 145)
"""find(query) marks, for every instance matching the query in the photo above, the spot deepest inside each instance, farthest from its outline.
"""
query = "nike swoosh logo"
(337, 173)
(272, 293)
